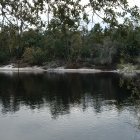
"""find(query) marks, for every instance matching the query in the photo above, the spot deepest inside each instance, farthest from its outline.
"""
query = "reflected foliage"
(132, 85)
(60, 93)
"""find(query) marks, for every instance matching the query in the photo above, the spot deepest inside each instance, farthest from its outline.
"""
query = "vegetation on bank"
(63, 40)
(100, 47)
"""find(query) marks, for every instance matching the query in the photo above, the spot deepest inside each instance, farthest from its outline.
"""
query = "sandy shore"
(82, 70)
(11, 68)
(36, 69)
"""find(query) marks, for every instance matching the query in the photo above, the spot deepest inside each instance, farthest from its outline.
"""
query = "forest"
(68, 33)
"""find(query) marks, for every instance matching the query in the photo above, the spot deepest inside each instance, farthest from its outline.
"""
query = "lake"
(102, 106)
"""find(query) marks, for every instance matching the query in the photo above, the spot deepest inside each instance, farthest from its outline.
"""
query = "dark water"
(69, 107)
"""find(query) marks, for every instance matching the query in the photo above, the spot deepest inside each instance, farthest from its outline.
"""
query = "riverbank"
(38, 69)
(80, 70)
(12, 68)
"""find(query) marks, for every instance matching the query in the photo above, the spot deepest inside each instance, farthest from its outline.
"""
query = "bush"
(28, 55)
(34, 56)
(127, 68)
(85, 52)
(105, 53)
(39, 56)
(4, 57)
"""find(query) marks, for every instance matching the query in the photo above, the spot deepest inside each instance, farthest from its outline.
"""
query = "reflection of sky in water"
(66, 107)
(78, 125)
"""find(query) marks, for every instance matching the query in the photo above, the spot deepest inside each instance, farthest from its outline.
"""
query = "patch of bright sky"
(134, 2)
(96, 19)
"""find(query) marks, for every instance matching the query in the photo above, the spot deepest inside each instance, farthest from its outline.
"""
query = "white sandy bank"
(82, 70)
(11, 68)
(35, 69)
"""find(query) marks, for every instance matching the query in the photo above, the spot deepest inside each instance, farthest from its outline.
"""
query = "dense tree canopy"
(39, 31)
(68, 12)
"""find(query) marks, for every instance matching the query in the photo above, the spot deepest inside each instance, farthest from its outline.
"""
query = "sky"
(131, 2)
(96, 19)
(134, 2)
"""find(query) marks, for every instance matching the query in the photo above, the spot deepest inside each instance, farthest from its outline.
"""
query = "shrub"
(4, 57)
(106, 53)
(28, 55)
(34, 56)
(39, 56)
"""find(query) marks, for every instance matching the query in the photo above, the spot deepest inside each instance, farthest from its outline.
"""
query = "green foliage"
(34, 56)
(76, 46)
(39, 56)
(127, 68)
(4, 57)
(66, 36)
(101, 46)
(28, 55)
(106, 53)
(96, 34)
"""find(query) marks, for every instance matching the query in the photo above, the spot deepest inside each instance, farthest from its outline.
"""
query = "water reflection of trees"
(132, 85)
(61, 92)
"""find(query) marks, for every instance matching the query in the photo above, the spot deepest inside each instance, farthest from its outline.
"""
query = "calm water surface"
(69, 107)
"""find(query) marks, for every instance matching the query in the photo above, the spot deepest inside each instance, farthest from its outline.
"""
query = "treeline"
(99, 46)
(62, 34)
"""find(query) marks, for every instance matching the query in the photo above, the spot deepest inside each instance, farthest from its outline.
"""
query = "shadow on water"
(62, 91)
(69, 106)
